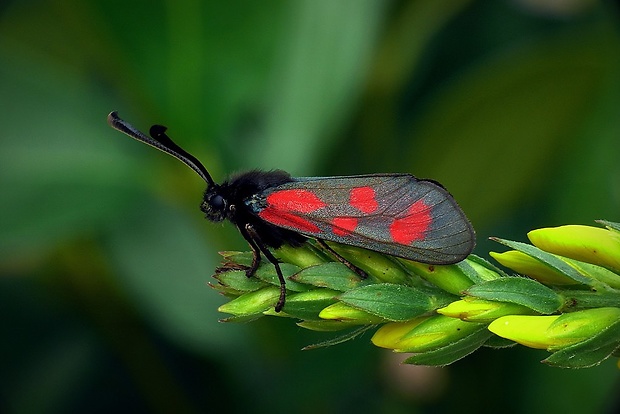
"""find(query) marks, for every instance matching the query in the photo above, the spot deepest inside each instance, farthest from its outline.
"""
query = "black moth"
(396, 214)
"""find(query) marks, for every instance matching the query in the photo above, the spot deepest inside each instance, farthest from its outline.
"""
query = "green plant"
(566, 298)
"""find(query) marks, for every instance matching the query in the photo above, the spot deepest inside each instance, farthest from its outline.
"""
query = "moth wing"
(396, 214)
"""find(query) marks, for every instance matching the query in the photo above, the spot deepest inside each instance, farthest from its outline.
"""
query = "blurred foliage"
(512, 105)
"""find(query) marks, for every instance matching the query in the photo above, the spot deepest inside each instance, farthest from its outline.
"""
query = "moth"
(395, 214)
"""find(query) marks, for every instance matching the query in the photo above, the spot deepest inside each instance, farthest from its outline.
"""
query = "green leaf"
(548, 259)
(519, 290)
(597, 272)
(308, 305)
(326, 326)
(338, 340)
(241, 318)
(481, 269)
(586, 299)
(267, 273)
(239, 258)
(331, 275)
(609, 224)
(237, 281)
(393, 302)
(453, 352)
(497, 342)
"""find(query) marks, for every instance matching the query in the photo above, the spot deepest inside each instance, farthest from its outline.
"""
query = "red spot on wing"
(297, 200)
(286, 219)
(413, 226)
(285, 208)
(363, 199)
(342, 226)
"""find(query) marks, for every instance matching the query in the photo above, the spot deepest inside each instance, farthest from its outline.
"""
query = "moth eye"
(218, 202)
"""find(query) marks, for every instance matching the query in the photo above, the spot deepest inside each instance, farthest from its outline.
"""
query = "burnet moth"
(395, 214)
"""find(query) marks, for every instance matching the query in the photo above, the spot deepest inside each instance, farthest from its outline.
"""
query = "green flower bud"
(578, 326)
(449, 278)
(345, 313)
(303, 256)
(483, 311)
(423, 335)
(306, 305)
(589, 244)
(252, 303)
(380, 266)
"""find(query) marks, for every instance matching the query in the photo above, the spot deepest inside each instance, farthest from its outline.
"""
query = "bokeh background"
(104, 255)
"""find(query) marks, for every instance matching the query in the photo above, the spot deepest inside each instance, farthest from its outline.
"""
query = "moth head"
(214, 204)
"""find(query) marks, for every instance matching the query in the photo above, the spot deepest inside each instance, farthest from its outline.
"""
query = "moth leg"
(256, 240)
(341, 259)
(255, 250)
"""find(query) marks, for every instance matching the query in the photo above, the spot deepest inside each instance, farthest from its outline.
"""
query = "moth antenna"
(162, 142)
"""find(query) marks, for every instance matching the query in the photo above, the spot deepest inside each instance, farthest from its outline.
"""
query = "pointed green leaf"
(453, 352)
(267, 273)
(519, 290)
(497, 342)
(331, 275)
(548, 259)
(326, 326)
(308, 305)
(392, 302)
(609, 224)
(238, 281)
(340, 339)
(240, 258)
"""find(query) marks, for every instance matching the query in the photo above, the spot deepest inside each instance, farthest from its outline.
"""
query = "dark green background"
(104, 256)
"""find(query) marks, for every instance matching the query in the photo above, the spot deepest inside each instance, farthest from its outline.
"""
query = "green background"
(104, 255)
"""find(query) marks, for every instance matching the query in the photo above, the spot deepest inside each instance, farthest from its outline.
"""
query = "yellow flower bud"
(555, 332)
(589, 244)
(527, 265)
(430, 333)
(525, 330)
(390, 334)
